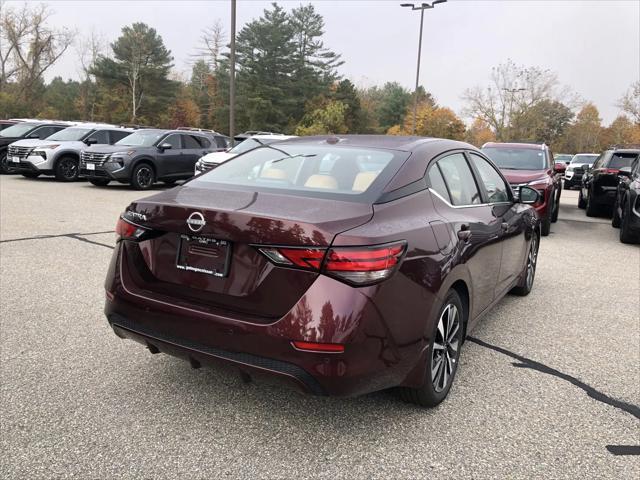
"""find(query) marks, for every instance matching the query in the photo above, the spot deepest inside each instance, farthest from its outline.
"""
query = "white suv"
(212, 160)
(59, 154)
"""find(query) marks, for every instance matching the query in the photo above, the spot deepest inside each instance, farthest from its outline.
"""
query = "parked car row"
(611, 186)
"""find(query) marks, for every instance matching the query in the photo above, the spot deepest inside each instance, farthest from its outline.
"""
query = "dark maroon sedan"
(342, 265)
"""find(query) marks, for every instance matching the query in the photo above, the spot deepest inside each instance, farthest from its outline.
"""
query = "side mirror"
(586, 167)
(560, 167)
(164, 146)
(91, 141)
(528, 195)
(625, 172)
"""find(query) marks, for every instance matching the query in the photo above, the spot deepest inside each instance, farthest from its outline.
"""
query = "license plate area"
(203, 255)
(91, 166)
(15, 159)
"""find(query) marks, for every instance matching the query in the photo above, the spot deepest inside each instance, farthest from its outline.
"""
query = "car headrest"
(274, 173)
(363, 181)
(322, 181)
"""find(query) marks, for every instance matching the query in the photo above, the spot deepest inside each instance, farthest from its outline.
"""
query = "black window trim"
(482, 203)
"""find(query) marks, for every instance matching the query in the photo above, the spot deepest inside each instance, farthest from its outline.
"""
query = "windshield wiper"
(298, 155)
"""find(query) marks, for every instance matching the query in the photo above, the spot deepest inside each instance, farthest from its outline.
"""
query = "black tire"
(615, 218)
(143, 177)
(437, 382)
(66, 169)
(581, 203)
(525, 285)
(555, 210)
(545, 229)
(626, 236)
(590, 208)
(99, 182)
(30, 175)
(4, 165)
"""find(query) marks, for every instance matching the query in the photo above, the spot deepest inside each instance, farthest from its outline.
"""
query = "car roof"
(524, 146)
(272, 137)
(390, 142)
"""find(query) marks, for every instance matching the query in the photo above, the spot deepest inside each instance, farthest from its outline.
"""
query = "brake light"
(355, 265)
(318, 347)
(128, 231)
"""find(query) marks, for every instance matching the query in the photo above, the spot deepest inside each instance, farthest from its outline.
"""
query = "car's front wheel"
(442, 355)
(555, 209)
(66, 169)
(591, 208)
(615, 219)
(143, 177)
(626, 236)
(4, 163)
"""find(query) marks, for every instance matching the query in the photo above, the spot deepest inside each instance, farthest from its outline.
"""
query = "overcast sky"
(594, 46)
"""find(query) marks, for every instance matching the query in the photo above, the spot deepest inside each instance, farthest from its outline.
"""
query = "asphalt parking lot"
(549, 385)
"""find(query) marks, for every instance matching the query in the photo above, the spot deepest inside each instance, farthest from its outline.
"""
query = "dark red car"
(531, 164)
(340, 265)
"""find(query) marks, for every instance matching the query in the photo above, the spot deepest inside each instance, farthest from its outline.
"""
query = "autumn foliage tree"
(432, 121)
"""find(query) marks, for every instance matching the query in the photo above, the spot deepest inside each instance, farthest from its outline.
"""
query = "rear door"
(508, 214)
(476, 231)
(193, 148)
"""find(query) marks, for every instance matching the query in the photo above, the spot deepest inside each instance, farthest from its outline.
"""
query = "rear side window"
(620, 160)
(437, 183)
(44, 132)
(459, 179)
(496, 188)
(117, 135)
(190, 141)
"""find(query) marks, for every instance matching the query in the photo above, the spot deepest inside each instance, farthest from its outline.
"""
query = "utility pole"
(422, 8)
(232, 75)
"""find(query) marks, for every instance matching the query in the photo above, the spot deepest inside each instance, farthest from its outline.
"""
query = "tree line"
(287, 81)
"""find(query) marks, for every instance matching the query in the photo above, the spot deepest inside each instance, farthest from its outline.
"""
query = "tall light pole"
(512, 92)
(232, 75)
(422, 7)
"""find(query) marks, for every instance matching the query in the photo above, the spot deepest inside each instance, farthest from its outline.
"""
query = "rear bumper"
(378, 354)
(201, 354)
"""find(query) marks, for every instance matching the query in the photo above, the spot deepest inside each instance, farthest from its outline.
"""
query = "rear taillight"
(354, 265)
(128, 231)
(610, 171)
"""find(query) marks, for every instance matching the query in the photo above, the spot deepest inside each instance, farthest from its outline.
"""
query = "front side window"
(174, 141)
(101, 137)
(517, 158)
(497, 189)
(459, 179)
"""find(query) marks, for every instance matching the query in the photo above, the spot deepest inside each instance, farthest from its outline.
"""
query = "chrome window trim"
(468, 206)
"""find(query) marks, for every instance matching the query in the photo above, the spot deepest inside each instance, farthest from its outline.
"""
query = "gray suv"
(147, 156)
(59, 154)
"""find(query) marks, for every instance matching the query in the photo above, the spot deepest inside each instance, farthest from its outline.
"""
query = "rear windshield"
(517, 158)
(310, 170)
(17, 130)
(70, 134)
(142, 138)
(581, 159)
(621, 160)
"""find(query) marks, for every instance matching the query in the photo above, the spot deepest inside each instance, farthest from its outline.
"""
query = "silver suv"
(59, 154)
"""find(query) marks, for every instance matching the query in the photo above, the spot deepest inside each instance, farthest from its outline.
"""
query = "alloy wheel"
(531, 261)
(444, 354)
(144, 176)
(68, 168)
